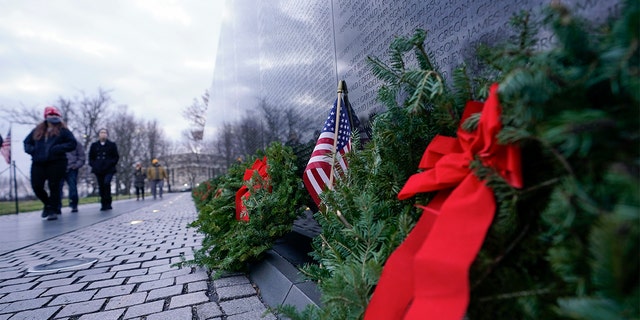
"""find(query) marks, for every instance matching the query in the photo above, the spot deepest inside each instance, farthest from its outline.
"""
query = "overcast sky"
(155, 56)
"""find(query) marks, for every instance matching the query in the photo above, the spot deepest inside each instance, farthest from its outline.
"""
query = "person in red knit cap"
(48, 144)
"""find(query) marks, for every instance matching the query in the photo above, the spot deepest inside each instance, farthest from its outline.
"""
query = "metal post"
(15, 185)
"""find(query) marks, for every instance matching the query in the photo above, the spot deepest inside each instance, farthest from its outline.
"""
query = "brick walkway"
(133, 277)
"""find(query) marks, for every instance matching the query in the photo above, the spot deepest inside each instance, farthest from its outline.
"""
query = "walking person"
(156, 175)
(139, 175)
(103, 158)
(48, 144)
(75, 161)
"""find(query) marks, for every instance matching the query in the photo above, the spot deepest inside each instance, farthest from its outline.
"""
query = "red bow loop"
(259, 166)
(426, 277)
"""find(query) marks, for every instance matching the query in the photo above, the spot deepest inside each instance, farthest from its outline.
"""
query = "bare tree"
(296, 124)
(154, 139)
(65, 106)
(23, 114)
(140, 141)
(250, 134)
(273, 120)
(196, 115)
(90, 114)
(226, 145)
(122, 130)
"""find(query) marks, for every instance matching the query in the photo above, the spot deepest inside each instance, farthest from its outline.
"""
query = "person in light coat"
(156, 174)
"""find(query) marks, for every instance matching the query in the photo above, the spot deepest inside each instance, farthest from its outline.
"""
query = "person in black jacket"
(103, 157)
(75, 161)
(48, 144)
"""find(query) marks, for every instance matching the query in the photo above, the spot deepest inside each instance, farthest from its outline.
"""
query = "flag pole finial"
(343, 85)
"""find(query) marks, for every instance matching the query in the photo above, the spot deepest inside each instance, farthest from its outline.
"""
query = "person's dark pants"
(104, 187)
(52, 172)
(156, 187)
(71, 177)
(140, 192)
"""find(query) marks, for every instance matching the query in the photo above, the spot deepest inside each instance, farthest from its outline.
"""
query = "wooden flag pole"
(335, 135)
(335, 147)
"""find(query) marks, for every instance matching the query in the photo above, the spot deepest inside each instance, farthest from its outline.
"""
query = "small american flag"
(5, 150)
(317, 173)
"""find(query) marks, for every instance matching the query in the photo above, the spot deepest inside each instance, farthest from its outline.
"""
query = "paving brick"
(162, 253)
(175, 273)
(105, 315)
(243, 305)
(91, 271)
(146, 286)
(17, 287)
(65, 289)
(131, 273)
(128, 257)
(15, 281)
(127, 266)
(114, 291)
(22, 295)
(4, 275)
(197, 286)
(144, 309)
(230, 281)
(208, 310)
(126, 300)
(252, 315)
(107, 264)
(25, 305)
(144, 278)
(81, 308)
(55, 283)
(42, 313)
(73, 297)
(234, 292)
(198, 276)
(138, 259)
(97, 277)
(161, 268)
(106, 283)
(164, 292)
(188, 299)
(55, 276)
(183, 313)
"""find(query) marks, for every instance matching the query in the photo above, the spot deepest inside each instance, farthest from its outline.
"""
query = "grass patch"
(9, 207)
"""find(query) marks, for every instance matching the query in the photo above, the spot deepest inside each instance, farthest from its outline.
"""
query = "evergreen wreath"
(566, 245)
(230, 245)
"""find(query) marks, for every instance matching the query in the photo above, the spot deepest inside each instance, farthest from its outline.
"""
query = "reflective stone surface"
(58, 265)
(291, 54)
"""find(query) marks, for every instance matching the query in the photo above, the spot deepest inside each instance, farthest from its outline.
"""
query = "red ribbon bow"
(426, 277)
(243, 193)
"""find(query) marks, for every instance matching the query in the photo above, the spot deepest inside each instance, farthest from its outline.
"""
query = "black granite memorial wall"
(292, 53)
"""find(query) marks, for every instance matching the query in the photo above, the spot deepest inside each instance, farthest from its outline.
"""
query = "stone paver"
(184, 313)
(133, 277)
(197, 286)
(164, 292)
(234, 292)
(73, 297)
(144, 309)
(42, 313)
(188, 299)
(156, 284)
(106, 315)
(81, 308)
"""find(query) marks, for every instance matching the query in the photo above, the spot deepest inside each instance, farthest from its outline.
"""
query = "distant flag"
(317, 173)
(5, 150)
